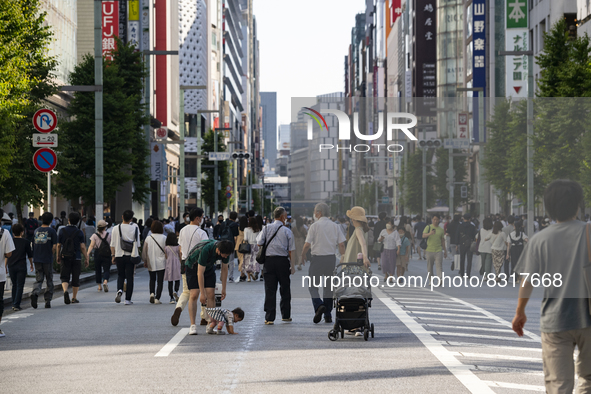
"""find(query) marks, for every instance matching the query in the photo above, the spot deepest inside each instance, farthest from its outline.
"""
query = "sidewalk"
(85, 277)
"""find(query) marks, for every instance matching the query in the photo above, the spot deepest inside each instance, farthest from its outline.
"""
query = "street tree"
(23, 46)
(412, 183)
(23, 184)
(125, 147)
(207, 183)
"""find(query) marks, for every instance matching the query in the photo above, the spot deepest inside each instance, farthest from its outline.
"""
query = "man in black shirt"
(71, 247)
(465, 235)
(17, 265)
(31, 225)
(218, 227)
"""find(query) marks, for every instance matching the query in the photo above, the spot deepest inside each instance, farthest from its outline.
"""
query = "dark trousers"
(125, 272)
(465, 252)
(515, 254)
(43, 271)
(2, 298)
(320, 267)
(153, 276)
(102, 268)
(18, 274)
(277, 270)
(177, 286)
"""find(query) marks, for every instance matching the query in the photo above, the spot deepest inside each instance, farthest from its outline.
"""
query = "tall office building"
(269, 123)
(284, 142)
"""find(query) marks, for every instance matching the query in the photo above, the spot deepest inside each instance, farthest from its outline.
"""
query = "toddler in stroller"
(352, 300)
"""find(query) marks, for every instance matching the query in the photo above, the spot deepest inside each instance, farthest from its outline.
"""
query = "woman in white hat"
(100, 243)
(357, 241)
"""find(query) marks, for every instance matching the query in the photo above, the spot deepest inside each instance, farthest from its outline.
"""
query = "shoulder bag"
(423, 244)
(475, 245)
(261, 255)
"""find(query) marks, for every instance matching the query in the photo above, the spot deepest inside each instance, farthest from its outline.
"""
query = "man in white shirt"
(125, 239)
(323, 237)
(189, 236)
(6, 248)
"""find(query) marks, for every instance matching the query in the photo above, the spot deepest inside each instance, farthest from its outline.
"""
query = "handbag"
(377, 247)
(423, 243)
(263, 251)
(244, 247)
(587, 269)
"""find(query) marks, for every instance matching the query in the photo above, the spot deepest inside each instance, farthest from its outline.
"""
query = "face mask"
(388, 226)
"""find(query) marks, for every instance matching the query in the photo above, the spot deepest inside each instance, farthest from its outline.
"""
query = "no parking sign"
(45, 159)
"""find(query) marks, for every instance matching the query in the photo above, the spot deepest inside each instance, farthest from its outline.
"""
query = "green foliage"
(125, 147)
(23, 184)
(440, 180)
(412, 183)
(366, 197)
(23, 72)
(208, 183)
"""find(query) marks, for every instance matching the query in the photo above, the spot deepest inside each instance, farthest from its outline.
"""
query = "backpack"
(195, 253)
(517, 242)
(30, 227)
(105, 249)
(226, 234)
(69, 249)
(465, 239)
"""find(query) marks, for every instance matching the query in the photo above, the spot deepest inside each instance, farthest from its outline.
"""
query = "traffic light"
(241, 155)
(366, 178)
(429, 144)
(464, 191)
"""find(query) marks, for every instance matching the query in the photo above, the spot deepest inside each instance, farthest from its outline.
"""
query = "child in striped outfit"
(220, 316)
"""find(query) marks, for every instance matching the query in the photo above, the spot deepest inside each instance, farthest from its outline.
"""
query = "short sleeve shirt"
(434, 241)
(283, 242)
(6, 246)
(391, 241)
(208, 256)
(45, 238)
(560, 250)
(220, 314)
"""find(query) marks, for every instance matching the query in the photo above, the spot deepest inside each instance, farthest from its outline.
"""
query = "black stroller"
(351, 303)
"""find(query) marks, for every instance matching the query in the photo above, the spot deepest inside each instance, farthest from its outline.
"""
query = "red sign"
(45, 121)
(45, 159)
(395, 11)
(161, 133)
(462, 126)
(110, 26)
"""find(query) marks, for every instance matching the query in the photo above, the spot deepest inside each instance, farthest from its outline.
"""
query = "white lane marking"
(519, 371)
(483, 345)
(421, 300)
(14, 316)
(441, 309)
(537, 338)
(428, 318)
(505, 330)
(448, 314)
(461, 371)
(499, 338)
(526, 387)
(173, 343)
(497, 357)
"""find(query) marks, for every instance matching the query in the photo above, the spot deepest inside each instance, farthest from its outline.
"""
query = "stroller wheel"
(365, 334)
(371, 330)
(333, 335)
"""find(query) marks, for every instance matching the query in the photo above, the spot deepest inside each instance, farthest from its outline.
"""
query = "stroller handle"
(345, 264)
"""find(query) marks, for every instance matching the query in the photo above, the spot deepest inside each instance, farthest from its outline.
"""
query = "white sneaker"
(157, 301)
(128, 302)
(2, 334)
(193, 329)
(358, 334)
(152, 298)
(209, 330)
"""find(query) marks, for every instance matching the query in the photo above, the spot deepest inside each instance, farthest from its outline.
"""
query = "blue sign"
(478, 56)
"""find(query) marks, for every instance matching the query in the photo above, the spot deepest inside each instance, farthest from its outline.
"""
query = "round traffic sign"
(45, 120)
(228, 188)
(228, 195)
(45, 159)
(161, 132)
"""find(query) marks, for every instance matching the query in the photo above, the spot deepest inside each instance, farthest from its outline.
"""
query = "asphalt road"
(441, 341)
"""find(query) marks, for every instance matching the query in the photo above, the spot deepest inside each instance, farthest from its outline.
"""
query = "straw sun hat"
(357, 213)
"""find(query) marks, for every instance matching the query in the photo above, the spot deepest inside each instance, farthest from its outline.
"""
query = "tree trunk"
(19, 211)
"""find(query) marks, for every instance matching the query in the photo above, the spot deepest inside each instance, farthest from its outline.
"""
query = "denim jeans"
(18, 274)
(486, 261)
(101, 265)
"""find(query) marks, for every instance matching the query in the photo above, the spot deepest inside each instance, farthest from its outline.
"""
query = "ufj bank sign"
(345, 130)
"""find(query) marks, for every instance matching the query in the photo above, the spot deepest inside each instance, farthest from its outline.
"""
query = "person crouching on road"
(219, 317)
(201, 265)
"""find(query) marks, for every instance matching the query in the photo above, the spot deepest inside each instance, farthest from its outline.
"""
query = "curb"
(84, 278)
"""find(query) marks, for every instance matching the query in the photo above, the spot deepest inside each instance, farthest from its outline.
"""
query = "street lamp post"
(530, 134)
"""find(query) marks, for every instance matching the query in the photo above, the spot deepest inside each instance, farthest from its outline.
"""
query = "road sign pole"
(98, 110)
(48, 197)
(451, 189)
(530, 147)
